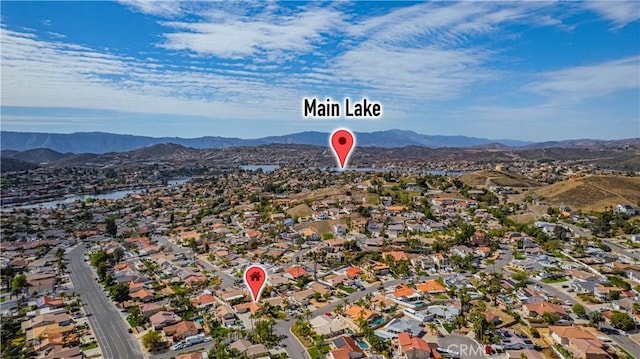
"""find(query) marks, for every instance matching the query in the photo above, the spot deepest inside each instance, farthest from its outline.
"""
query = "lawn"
(2, 299)
(554, 280)
(520, 256)
(317, 352)
(348, 289)
(449, 327)
(441, 297)
(132, 321)
(372, 198)
(88, 346)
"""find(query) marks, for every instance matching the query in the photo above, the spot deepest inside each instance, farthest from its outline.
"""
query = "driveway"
(110, 329)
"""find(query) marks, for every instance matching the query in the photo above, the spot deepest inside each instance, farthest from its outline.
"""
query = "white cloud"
(620, 13)
(590, 81)
(158, 8)
(37, 73)
(226, 35)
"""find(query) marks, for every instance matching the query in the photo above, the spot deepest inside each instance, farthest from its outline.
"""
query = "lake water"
(110, 195)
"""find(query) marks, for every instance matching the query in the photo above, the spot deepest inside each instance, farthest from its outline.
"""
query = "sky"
(527, 70)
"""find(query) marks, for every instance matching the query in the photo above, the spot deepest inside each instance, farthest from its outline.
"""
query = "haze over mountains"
(100, 142)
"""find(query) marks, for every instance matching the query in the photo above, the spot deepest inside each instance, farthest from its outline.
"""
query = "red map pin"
(342, 141)
(255, 278)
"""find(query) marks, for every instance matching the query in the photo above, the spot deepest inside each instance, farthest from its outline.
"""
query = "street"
(110, 330)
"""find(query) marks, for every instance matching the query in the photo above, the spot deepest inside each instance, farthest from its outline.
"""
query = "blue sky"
(523, 70)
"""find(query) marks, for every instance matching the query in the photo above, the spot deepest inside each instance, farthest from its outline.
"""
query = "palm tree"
(433, 328)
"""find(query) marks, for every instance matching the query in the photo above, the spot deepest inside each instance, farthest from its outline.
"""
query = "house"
(626, 209)
(149, 309)
(226, 315)
(413, 347)
(633, 274)
(196, 355)
(303, 297)
(461, 251)
(396, 255)
(580, 342)
(538, 309)
(345, 348)
(326, 326)
(353, 272)
(183, 329)
(403, 293)
(203, 301)
(49, 302)
(295, 272)
(357, 313)
(431, 287)
(60, 352)
(162, 319)
(144, 295)
(231, 295)
(246, 347)
(377, 268)
(604, 293)
(479, 239)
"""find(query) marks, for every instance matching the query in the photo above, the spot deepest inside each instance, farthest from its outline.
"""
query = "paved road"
(110, 330)
(174, 353)
(467, 347)
(622, 250)
(624, 341)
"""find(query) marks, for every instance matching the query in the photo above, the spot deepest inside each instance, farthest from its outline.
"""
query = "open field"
(301, 210)
(497, 178)
(593, 193)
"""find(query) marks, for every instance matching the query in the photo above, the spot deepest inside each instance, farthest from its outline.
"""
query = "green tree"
(119, 292)
(622, 321)
(579, 310)
(595, 318)
(152, 340)
(550, 318)
(111, 227)
(18, 283)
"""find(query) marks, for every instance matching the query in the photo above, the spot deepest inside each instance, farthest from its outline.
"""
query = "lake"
(109, 195)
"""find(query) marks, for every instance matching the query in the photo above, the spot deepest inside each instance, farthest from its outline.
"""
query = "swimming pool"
(362, 344)
(378, 321)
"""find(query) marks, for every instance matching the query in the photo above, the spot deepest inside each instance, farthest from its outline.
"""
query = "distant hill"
(11, 164)
(39, 155)
(100, 142)
(497, 178)
(593, 193)
(585, 143)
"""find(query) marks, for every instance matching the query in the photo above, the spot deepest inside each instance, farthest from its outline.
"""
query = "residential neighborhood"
(360, 265)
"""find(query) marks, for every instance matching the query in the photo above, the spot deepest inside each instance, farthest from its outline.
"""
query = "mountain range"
(101, 142)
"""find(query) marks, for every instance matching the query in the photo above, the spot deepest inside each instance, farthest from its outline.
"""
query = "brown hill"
(497, 178)
(593, 193)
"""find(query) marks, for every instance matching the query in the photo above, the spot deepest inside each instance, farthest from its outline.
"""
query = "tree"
(622, 321)
(18, 283)
(111, 227)
(152, 340)
(120, 292)
(579, 310)
(595, 318)
(550, 318)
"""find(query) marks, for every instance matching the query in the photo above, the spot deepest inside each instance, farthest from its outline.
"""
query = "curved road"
(109, 328)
